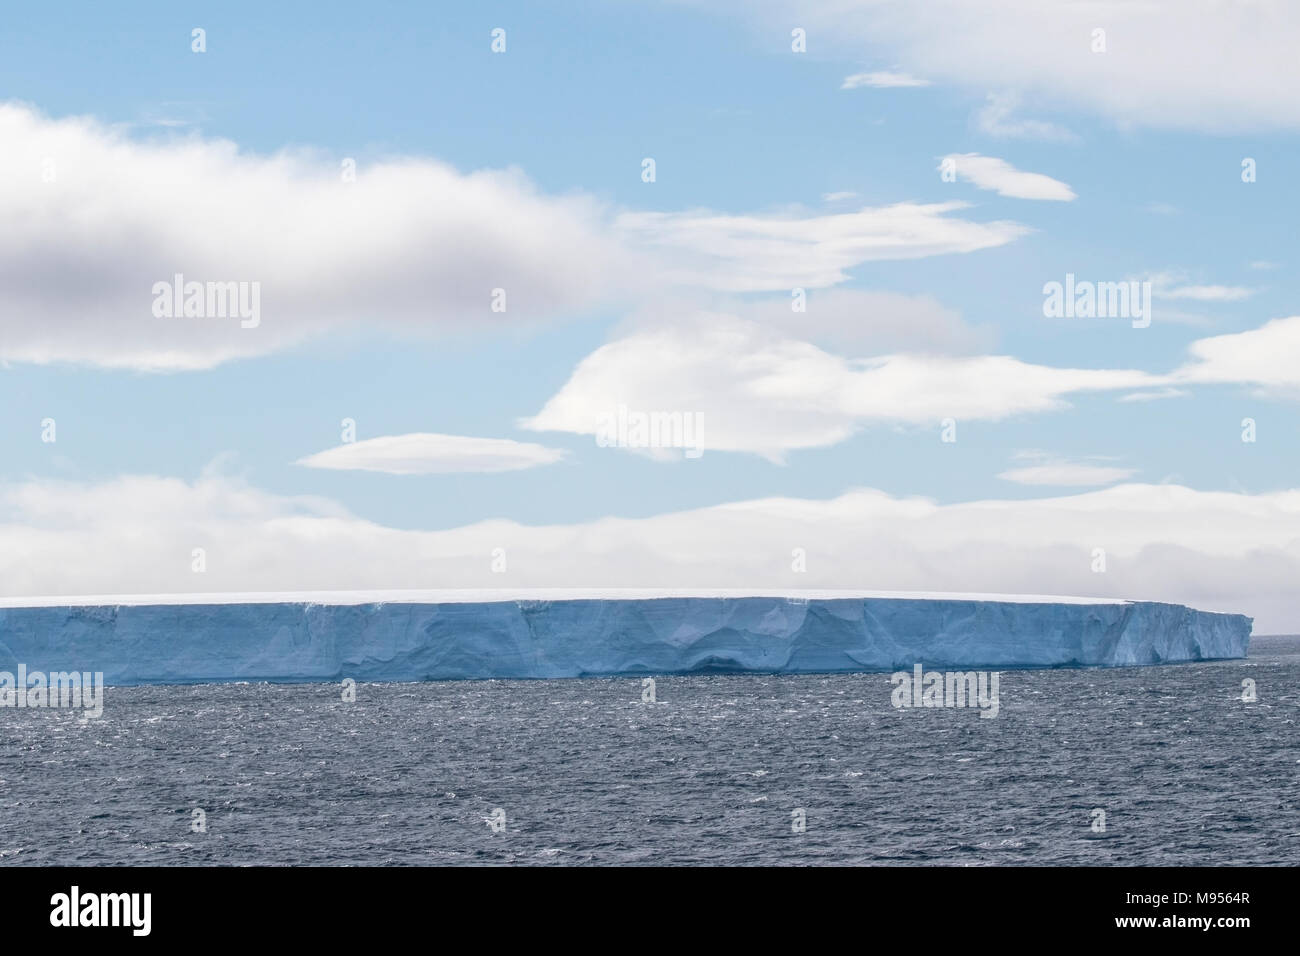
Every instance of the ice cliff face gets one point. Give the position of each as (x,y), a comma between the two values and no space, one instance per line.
(190,643)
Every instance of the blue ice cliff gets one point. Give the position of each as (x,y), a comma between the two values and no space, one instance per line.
(410,640)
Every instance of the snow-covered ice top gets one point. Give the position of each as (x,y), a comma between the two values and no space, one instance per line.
(490,595)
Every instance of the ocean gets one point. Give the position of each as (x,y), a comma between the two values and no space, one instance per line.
(1147,766)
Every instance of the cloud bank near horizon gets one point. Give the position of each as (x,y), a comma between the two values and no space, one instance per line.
(137,534)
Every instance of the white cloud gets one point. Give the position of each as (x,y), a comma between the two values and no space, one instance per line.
(1162,209)
(423,453)
(1208,293)
(1183,64)
(998,118)
(881,80)
(1264,357)
(869,322)
(410,247)
(1154,395)
(1062,473)
(763,393)
(1167,316)
(989,172)
(1212,550)
(735,253)
(1174,285)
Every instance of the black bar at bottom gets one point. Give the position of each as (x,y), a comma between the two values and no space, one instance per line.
(932,905)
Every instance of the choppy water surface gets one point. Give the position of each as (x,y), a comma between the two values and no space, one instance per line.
(714,771)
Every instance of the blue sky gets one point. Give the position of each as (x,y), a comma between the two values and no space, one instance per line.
(739,125)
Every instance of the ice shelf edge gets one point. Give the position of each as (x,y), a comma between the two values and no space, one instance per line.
(295,641)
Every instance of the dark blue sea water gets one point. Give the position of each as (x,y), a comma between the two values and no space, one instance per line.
(585,772)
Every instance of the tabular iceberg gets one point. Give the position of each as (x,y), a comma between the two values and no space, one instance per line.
(411,636)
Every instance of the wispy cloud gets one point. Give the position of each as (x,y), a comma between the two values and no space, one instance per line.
(870,321)
(423,453)
(1061,472)
(882,80)
(734,253)
(999,118)
(1209,293)
(1174,285)
(989,172)
(1146,68)
(1155,395)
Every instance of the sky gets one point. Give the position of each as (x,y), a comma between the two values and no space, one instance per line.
(822,233)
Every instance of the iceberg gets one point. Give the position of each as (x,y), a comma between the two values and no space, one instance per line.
(376,636)
(448,635)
